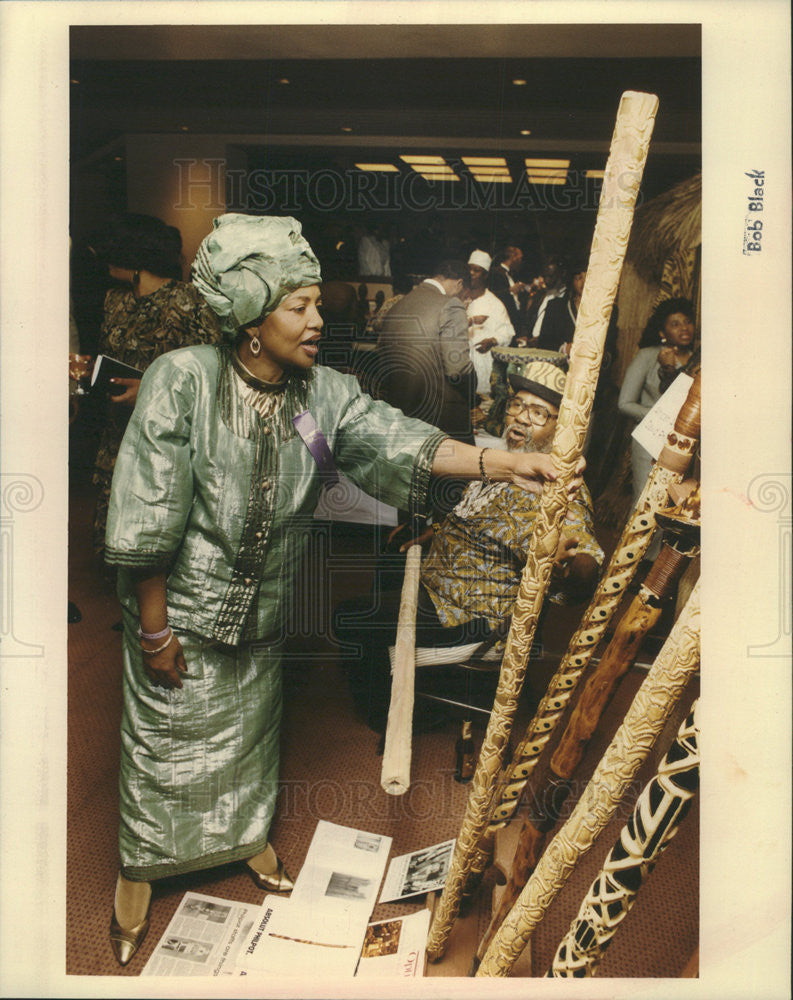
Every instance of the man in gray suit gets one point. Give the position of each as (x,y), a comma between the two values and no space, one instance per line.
(424,356)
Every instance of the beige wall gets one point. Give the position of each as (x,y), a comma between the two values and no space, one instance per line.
(180,179)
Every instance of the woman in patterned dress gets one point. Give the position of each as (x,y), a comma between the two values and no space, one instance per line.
(150,312)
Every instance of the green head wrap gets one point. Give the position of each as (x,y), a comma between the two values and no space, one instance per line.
(249,263)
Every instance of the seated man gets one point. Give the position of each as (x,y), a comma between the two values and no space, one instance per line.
(471,574)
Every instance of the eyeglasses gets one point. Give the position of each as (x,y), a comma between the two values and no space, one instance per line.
(538,415)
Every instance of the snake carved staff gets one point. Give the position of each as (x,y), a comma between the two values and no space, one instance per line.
(668,470)
(644,721)
(681,531)
(655,820)
(629,146)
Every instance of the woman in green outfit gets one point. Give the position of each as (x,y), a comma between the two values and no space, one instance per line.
(226,451)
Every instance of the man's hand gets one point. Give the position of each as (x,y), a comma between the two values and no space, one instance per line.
(486,344)
(565,553)
(130,394)
(164,669)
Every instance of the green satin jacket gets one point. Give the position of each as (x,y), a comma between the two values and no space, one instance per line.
(220,499)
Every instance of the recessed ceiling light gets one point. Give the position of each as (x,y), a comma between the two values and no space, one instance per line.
(546,163)
(484,161)
(495,178)
(450,176)
(594,174)
(284,80)
(74,81)
(383,167)
(346,128)
(424,159)
(118,159)
(519,82)
(428,168)
(525,131)
(184,128)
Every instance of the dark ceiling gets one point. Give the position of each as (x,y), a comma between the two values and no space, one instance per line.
(368,86)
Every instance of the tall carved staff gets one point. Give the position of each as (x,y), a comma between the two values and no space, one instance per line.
(629,145)
(681,529)
(655,820)
(663,687)
(636,536)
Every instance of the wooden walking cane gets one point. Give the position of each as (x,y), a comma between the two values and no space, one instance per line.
(629,146)
(650,710)
(681,545)
(655,820)
(395,773)
(672,463)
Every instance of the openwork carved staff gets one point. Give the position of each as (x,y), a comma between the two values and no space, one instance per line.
(655,700)
(670,468)
(681,532)
(655,820)
(395,773)
(629,146)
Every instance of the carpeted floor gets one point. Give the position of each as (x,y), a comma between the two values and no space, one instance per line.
(331,770)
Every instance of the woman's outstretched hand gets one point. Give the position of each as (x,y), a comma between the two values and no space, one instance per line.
(533,468)
(165,669)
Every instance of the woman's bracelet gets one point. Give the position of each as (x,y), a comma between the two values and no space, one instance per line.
(153,636)
(485,478)
(159,649)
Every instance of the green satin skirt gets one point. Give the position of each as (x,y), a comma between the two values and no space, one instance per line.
(199,766)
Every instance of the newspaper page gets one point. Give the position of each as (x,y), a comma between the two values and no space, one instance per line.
(291,939)
(651,431)
(344,867)
(203,938)
(395,948)
(421,871)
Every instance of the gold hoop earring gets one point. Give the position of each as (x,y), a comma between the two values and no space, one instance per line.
(256,346)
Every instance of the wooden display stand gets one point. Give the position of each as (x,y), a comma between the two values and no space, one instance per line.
(471,925)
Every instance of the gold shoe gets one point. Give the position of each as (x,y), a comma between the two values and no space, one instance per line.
(125,943)
(275,881)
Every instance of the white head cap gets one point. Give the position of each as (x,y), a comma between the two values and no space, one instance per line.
(481,259)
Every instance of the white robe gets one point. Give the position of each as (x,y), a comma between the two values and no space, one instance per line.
(495,324)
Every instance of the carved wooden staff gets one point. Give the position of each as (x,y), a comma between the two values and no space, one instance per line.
(395,773)
(680,546)
(655,820)
(655,700)
(629,145)
(637,534)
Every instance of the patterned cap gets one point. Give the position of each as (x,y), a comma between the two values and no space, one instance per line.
(541,378)
(249,263)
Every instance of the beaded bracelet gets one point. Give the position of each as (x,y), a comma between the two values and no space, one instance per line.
(485,478)
(159,649)
(152,636)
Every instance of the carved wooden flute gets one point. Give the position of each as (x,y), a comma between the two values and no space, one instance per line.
(650,710)
(643,613)
(637,534)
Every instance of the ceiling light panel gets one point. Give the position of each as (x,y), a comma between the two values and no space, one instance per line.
(484,161)
(429,160)
(382,167)
(546,163)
